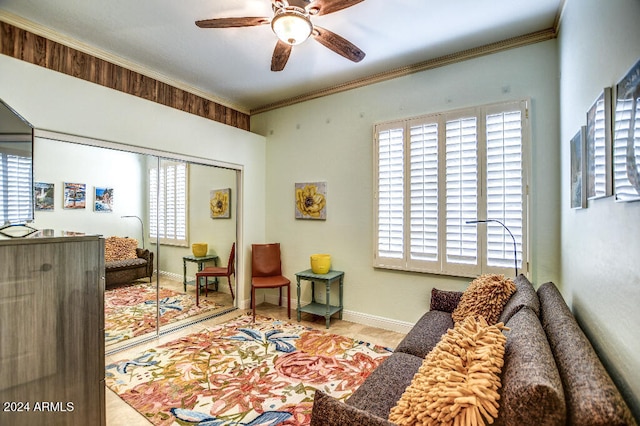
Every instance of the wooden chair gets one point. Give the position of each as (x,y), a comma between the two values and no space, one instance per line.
(217,271)
(266,272)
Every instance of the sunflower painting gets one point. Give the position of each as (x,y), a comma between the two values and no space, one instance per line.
(311,200)
(219,203)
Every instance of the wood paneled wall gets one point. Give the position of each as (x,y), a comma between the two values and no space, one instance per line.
(38,50)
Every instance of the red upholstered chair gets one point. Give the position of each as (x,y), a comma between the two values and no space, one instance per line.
(266,272)
(217,271)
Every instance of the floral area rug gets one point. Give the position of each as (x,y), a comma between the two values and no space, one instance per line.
(130,310)
(243,373)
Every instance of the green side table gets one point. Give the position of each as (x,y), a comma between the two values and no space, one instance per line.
(200,261)
(322,309)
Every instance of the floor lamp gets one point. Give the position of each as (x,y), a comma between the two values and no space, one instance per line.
(515,250)
(141,224)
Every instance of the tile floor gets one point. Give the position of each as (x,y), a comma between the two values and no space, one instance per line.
(119,413)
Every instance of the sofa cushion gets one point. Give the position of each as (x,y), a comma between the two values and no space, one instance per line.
(525,295)
(118,248)
(486,297)
(426,333)
(328,411)
(117,265)
(458,381)
(444,300)
(385,385)
(531,387)
(591,396)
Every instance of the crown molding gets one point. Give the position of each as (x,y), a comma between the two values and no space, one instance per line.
(559,15)
(57,37)
(441,61)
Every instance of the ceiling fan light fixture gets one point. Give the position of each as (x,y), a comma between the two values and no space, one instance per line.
(291,25)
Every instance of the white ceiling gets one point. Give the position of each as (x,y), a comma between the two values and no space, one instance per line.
(232,65)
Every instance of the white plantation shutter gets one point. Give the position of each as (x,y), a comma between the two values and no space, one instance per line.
(599,184)
(162,204)
(504,188)
(168,189)
(624,190)
(390,184)
(461,184)
(180,220)
(170,206)
(15,187)
(153,202)
(424,192)
(435,173)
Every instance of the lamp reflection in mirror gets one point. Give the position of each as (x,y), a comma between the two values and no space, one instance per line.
(515,247)
(141,224)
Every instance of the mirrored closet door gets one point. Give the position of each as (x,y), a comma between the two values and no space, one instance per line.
(150,209)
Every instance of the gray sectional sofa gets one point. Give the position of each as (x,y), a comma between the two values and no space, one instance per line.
(551,374)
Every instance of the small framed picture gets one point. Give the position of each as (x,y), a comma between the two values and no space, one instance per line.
(75,195)
(311,200)
(44,196)
(599,182)
(103,200)
(220,203)
(578,195)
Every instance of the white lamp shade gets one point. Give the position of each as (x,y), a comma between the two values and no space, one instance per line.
(291,26)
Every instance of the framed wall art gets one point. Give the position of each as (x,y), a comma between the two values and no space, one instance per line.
(626,137)
(598,150)
(220,203)
(103,200)
(578,196)
(311,200)
(44,196)
(75,196)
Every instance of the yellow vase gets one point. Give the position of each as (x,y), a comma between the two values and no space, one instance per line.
(199,249)
(320,263)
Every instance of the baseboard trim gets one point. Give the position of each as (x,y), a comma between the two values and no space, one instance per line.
(351,316)
(175,277)
(377,321)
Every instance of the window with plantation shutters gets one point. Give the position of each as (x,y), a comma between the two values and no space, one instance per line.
(15,187)
(168,189)
(434,174)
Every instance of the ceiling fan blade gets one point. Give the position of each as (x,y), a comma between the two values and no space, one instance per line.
(280,56)
(338,44)
(232,22)
(324,7)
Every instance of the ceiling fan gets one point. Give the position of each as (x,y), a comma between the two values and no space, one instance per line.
(291,22)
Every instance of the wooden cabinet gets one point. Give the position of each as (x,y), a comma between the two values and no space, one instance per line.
(52,331)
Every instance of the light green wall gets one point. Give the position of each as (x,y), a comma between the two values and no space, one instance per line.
(60,103)
(330,139)
(598,43)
